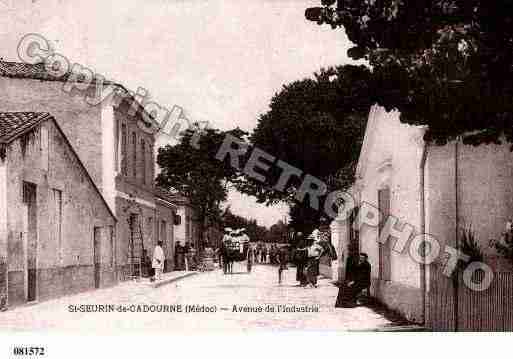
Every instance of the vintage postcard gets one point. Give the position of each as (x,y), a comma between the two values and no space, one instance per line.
(225,166)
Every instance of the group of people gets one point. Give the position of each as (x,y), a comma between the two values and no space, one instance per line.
(185,256)
(185,259)
(266,255)
(307,255)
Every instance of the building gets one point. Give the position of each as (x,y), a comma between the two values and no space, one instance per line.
(166,217)
(424,188)
(186,225)
(57,232)
(115,140)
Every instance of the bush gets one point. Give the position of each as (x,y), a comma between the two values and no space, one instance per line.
(504,246)
(470,247)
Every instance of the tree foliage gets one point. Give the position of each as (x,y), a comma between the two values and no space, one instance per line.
(304,219)
(316,125)
(278,233)
(194,172)
(447,64)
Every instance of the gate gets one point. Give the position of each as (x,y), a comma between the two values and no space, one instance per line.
(440,304)
(487,310)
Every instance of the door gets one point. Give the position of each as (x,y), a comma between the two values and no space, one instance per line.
(97,256)
(384,249)
(30,240)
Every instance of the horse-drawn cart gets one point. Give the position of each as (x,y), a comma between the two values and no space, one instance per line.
(236,248)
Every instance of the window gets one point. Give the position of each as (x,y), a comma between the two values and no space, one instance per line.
(143,159)
(150,164)
(163,234)
(44,148)
(57,220)
(134,162)
(149,229)
(124,167)
(112,237)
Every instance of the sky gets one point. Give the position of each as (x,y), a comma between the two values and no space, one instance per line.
(219,60)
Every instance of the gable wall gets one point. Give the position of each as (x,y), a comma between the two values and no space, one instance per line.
(67,268)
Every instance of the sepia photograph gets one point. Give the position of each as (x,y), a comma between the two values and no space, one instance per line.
(185,167)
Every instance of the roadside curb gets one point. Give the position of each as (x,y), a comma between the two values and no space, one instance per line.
(402,328)
(171,280)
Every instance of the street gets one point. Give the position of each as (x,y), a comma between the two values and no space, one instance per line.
(259,289)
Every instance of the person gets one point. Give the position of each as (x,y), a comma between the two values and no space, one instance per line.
(300,258)
(158,261)
(274,254)
(227,239)
(358,278)
(179,256)
(192,257)
(282,259)
(263,254)
(315,252)
(362,277)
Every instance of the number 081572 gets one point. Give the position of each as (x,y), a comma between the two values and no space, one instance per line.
(26,351)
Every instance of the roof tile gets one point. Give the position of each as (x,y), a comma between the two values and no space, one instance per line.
(13,124)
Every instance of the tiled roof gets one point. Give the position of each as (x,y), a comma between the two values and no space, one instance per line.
(22,70)
(35,71)
(14,124)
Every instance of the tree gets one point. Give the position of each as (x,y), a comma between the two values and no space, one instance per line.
(278,233)
(304,219)
(447,64)
(316,125)
(194,172)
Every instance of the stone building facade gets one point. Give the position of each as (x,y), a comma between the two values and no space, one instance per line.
(115,140)
(437,190)
(57,233)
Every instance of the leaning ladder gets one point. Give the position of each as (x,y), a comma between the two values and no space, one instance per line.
(136,258)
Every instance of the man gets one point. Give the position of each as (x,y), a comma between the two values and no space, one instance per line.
(158,261)
(179,256)
(361,278)
(227,238)
(300,259)
(281,259)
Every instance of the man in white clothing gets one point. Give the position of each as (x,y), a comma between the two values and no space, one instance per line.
(158,260)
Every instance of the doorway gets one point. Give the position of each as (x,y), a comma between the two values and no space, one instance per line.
(30,240)
(385,267)
(97,256)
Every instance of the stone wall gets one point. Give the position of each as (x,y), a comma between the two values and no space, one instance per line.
(401,298)
(391,160)
(80,122)
(61,263)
